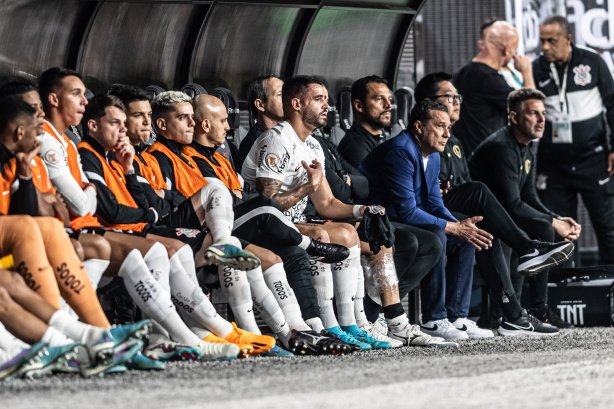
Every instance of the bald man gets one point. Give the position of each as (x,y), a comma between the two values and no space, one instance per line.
(484,89)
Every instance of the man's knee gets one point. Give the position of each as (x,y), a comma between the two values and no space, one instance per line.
(50,225)
(6,302)
(12,282)
(95,247)
(343,234)
(267,257)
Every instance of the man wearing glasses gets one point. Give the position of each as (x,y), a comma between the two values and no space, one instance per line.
(465,197)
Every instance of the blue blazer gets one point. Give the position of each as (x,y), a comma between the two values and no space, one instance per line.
(398,181)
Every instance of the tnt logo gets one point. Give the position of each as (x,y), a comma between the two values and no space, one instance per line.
(572,313)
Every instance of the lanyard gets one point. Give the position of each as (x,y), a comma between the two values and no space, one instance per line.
(561,86)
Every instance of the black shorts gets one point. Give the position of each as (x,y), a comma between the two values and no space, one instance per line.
(100,231)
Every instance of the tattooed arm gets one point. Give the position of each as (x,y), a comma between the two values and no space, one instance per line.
(271,187)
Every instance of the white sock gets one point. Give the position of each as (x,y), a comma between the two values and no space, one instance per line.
(157,262)
(192,303)
(235,287)
(185,255)
(216,202)
(54,338)
(76,330)
(151,298)
(95,267)
(315,323)
(322,279)
(265,304)
(276,280)
(344,278)
(305,242)
(359,307)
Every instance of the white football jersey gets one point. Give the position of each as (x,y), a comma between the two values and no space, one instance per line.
(277,154)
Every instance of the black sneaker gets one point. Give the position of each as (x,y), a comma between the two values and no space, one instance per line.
(526,324)
(548,316)
(327,252)
(312,343)
(543,255)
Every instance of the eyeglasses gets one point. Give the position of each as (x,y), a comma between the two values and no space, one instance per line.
(451,98)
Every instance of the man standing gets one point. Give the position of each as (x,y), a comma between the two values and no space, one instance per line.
(484,89)
(573,156)
(504,162)
(403,175)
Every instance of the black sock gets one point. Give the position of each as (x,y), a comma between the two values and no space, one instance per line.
(393,311)
(510,306)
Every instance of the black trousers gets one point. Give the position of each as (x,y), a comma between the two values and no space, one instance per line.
(476,199)
(416,251)
(560,184)
(261,222)
(538,284)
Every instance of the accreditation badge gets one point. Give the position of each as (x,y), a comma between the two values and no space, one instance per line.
(561,128)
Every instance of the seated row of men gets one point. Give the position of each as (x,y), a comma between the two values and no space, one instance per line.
(153,214)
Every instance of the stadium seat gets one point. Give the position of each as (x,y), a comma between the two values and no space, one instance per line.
(193,89)
(405,101)
(332,130)
(344,108)
(230,150)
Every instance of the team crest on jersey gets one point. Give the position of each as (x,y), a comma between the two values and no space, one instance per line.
(582,75)
(189,233)
(456,150)
(527,166)
(52,157)
(272,160)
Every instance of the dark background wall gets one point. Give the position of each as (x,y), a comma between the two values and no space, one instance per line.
(214,43)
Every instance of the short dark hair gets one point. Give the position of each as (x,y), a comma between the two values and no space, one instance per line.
(257,90)
(294,87)
(12,107)
(51,80)
(560,20)
(360,87)
(517,97)
(422,111)
(95,109)
(17,87)
(128,93)
(427,87)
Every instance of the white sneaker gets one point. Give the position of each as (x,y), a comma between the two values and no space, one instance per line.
(218,352)
(472,329)
(378,330)
(443,329)
(400,329)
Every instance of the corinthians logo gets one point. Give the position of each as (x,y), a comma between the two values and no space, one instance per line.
(456,150)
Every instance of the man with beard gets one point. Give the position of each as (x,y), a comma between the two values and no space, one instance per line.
(504,162)
(371,105)
(264,101)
